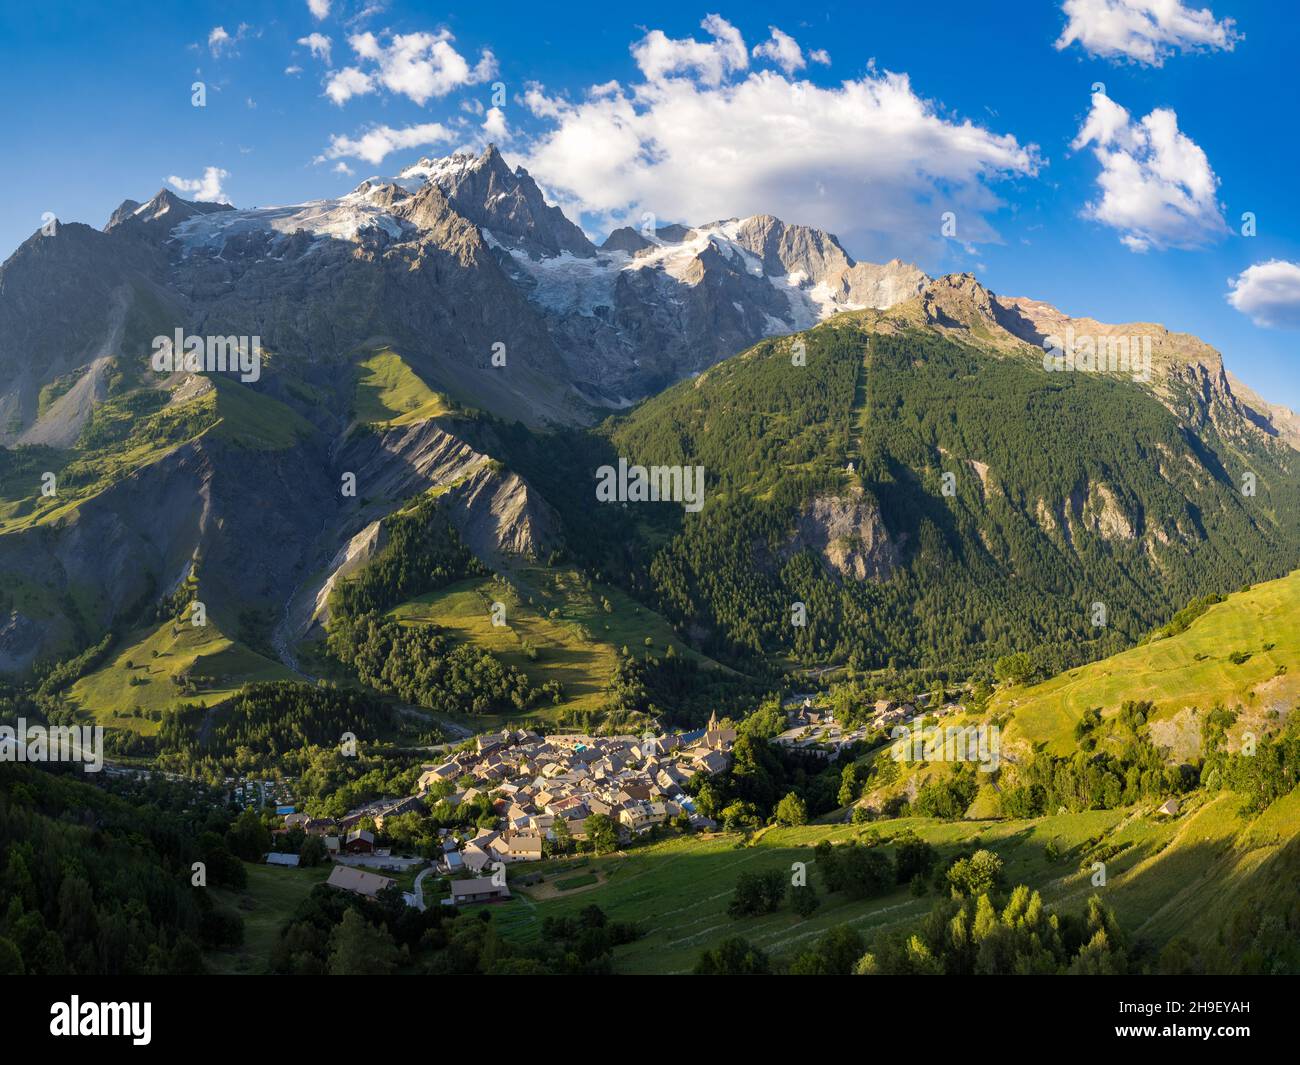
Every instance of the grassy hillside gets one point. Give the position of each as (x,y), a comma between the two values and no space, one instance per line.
(268,901)
(388,392)
(254,420)
(1194,668)
(152,658)
(1214,858)
(133,430)
(126,433)
(1165,878)
(571,637)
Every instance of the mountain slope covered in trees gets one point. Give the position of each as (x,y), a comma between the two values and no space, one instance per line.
(936,500)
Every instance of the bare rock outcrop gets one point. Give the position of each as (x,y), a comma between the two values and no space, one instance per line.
(848,533)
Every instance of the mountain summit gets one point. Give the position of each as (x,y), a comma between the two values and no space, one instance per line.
(507,202)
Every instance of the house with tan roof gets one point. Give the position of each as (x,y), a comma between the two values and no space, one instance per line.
(358,881)
(517,847)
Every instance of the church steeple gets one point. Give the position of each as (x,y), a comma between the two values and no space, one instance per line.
(713,722)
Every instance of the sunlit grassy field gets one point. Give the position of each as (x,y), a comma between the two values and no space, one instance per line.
(1163,876)
(255,420)
(575,638)
(1193,668)
(156,656)
(388,392)
(678,890)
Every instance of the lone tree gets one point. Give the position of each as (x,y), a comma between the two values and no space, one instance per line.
(792,810)
(601,834)
(1016,668)
(804,900)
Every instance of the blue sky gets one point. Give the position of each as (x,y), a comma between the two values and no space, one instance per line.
(912,110)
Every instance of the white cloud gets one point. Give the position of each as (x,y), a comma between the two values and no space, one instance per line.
(1156,184)
(377,143)
(1144,31)
(342,168)
(783,50)
(293,69)
(319,9)
(1269,293)
(543,106)
(418,66)
(661,57)
(494,126)
(367,12)
(206,189)
(320,45)
(869,160)
(820,56)
(218,40)
(221,42)
(347,83)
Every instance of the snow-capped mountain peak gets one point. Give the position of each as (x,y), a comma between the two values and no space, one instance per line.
(646,308)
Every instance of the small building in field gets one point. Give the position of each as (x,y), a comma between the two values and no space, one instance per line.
(275,858)
(358,881)
(481,889)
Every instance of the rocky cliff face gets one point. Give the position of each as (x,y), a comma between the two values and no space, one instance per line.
(815,261)
(261,529)
(1272,418)
(242,518)
(352,557)
(68,297)
(849,535)
(498,514)
(500,517)
(650,308)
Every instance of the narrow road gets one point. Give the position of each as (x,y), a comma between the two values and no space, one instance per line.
(419,886)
